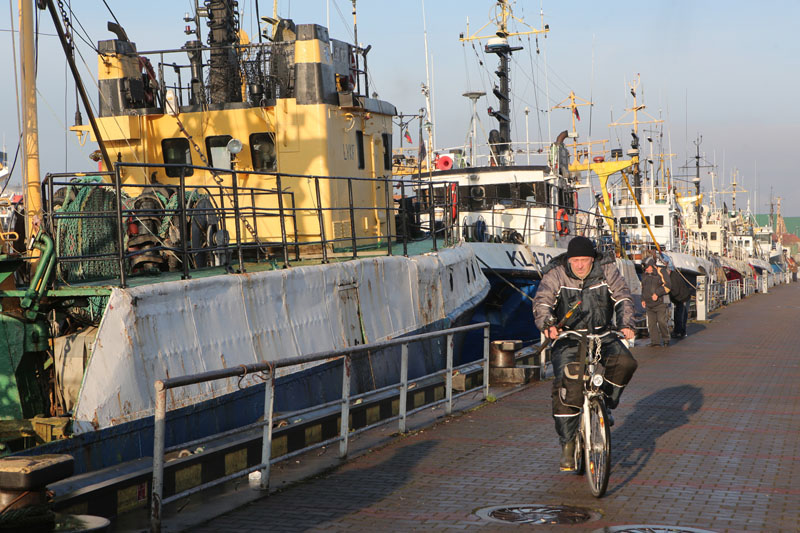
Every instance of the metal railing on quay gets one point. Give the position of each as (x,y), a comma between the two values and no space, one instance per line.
(346,354)
(182,226)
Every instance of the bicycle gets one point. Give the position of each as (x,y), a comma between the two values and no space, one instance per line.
(593,438)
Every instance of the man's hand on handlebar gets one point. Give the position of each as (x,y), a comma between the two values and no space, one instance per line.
(628,333)
(551,332)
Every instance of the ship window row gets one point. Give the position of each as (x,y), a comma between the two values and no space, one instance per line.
(536,194)
(177,151)
(658,221)
(705,236)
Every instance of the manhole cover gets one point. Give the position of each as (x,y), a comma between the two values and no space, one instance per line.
(651,529)
(538,514)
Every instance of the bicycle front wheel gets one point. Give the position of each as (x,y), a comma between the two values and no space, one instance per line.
(598,448)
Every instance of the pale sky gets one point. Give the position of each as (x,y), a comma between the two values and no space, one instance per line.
(727,70)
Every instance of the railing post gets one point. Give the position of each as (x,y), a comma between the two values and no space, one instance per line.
(182,218)
(237,218)
(345,425)
(448,384)
(404,216)
(283,222)
(294,224)
(352,218)
(321,222)
(388,186)
(120,226)
(266,439)
(159,431)
(432,215)
(403,386)
(486,362)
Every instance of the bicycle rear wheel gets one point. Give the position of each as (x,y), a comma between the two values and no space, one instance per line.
(598,448)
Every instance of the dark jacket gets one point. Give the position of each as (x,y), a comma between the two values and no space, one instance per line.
(603,292)
(656,283)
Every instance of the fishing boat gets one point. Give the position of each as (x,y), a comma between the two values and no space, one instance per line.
(518,201)
(241,212)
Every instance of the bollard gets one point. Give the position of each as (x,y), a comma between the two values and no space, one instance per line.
(764,284)
(702,299)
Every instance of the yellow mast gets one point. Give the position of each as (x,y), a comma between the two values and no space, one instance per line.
(635,109)
(30,128)
(574,103)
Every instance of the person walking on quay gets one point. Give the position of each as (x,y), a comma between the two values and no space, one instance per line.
(582,275)
(655,285)
(681,291)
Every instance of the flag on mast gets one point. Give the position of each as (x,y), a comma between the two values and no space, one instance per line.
(408,137)
(577,115)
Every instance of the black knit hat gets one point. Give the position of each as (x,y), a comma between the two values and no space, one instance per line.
(580,247)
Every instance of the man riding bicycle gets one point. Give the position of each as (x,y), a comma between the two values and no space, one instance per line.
(582,274)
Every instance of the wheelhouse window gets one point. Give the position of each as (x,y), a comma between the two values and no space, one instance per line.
(177,152)
(262,152)
(659,220)
(628,221)
(713,235)
(217,150)
(387,151)
(502,194)
(360,148)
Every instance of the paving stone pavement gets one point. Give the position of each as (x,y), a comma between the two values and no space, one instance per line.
(707,436)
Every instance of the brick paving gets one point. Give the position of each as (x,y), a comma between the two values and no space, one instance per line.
(706,436)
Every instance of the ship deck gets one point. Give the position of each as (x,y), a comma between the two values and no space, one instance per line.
(705,438)
(101,287)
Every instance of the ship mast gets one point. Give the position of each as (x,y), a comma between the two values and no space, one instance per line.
(498,44)
(30,125)
(634,151)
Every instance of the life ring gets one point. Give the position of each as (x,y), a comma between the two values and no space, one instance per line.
(454,201)
(562,222)
(683,237)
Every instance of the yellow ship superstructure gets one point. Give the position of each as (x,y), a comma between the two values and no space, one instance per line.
(294,105)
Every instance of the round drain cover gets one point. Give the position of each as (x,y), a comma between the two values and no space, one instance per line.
(538,514)
(651,529)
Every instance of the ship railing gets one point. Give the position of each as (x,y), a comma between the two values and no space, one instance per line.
(236,222)
(493,222)
(261,84)
(269,421)
(518,154)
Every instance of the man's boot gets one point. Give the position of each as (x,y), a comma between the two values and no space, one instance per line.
(567,463)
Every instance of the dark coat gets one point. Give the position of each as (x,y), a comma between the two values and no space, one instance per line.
(656,283)
(603,293)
